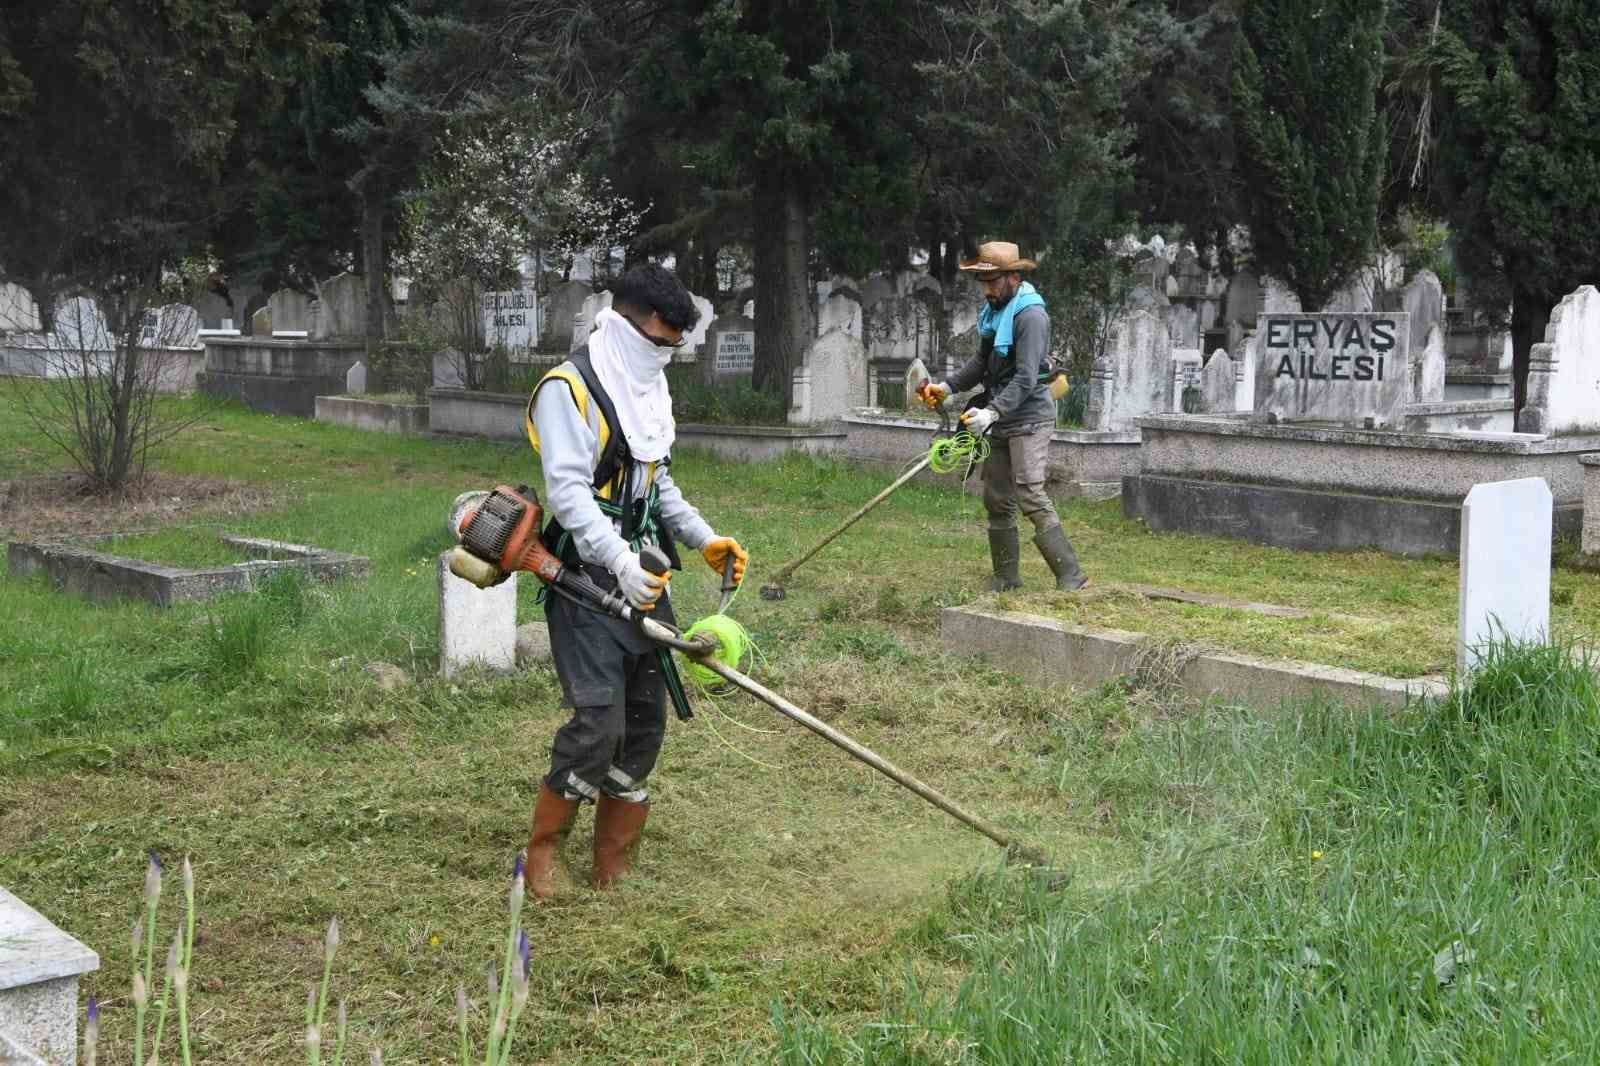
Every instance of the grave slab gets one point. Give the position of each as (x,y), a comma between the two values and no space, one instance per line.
(1505,567)
(39,970)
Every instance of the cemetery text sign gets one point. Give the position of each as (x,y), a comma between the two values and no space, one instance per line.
(736,351)
(1334,366)
(511,320)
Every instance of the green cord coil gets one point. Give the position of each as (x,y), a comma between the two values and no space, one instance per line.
(949,454)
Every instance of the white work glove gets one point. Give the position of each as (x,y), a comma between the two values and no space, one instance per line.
(978,421)
(638,585)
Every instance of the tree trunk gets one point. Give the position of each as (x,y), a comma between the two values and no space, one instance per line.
(372,207)
(784,316)
(1530,314)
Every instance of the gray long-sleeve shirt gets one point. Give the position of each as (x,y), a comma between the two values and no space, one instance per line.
(1022,402)
(569,451)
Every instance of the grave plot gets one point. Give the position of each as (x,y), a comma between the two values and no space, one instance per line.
(162,570)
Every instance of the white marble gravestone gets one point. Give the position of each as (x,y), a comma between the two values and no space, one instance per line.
(355,379)
(1342,367)
(477,627)
(832,381)
(1564,369)
(39,970)
(1505,566)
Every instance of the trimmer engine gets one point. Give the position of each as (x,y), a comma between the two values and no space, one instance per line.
(503,535)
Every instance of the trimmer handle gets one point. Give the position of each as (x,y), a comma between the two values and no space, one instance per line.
(654,560)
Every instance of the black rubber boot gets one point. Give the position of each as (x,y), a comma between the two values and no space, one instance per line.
(1006,553)
(1057,551)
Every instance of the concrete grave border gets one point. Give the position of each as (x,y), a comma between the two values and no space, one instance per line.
(1048,652)
(101,576)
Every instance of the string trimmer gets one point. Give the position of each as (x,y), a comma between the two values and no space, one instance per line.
(501,537)
(949,449)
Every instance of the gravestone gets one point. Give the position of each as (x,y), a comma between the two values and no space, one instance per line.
(355,379)
(1186,371)
(1563,392)
(561,304)
(289,311)
(841,309)
(1505,567)
(730,348)
(1423,300)
(583,325)
(1341,367)
(18,311)
(1428,367)
(261,323)
(39,970)
(80,327)
(341,310)
(171,326)
(1219,384)
(1244,397)
(477,627)
(449,370)
(694,339)
(1133,378)
(511,321)
(831,381)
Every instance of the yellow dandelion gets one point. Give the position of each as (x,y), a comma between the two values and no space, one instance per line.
(1315,855)
(433,941)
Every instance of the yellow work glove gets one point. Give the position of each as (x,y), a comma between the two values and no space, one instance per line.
(933,393)
(716,554)
(1059,386)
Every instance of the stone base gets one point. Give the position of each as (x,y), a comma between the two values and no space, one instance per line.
(1307,519)
(372,415)
(279,376)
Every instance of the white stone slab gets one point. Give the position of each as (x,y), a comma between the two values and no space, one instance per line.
(477,627)
(39,970)
(1564,370)
(1505,567)
(1338,366)
(291,334)
(355,379)
(832,381)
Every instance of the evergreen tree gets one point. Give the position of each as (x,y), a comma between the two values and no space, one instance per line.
(1519,152)
(1310,143)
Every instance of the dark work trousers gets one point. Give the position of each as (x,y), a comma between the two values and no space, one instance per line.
(611,677)
(1014,477)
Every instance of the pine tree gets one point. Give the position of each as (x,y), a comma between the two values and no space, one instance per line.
(1311,146)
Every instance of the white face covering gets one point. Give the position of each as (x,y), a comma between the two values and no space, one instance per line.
(631,370)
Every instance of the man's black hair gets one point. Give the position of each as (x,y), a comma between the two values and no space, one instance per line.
(649,287)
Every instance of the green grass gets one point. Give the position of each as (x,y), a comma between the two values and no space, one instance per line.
(774,871)
(1317,888)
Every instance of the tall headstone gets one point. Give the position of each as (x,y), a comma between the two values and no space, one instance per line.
(1244,371)
(563,302)
(290,311)
(1186,371)
(18,311)
(1428,366)
(171,326)
(355,379)
(832,381)
(841,309)
(1334,367)
(341,308)
(1219,384)
(1563,394)
(261,323)
(694,340)
(1134,376)
(477,627)
(1505,567)
(583,325)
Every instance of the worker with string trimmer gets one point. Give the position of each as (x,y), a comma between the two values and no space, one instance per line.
(603,427)
(1018,410)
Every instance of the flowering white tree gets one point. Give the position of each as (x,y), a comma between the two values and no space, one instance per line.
(494,194)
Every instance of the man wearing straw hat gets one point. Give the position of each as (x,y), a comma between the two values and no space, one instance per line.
(1018,411)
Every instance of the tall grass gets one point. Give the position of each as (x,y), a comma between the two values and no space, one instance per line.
(1383,888)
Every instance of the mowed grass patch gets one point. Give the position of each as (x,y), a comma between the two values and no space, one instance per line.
(1319,886)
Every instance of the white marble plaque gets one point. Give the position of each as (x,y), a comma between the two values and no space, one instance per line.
(1505,567)
(736,351)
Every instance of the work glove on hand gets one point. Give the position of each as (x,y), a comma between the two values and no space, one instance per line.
(641,588)
(716,554)
(933,393)
(979,419)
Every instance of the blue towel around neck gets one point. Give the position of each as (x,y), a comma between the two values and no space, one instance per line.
(997,324)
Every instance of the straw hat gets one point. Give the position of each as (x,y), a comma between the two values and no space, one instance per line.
(997,257)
